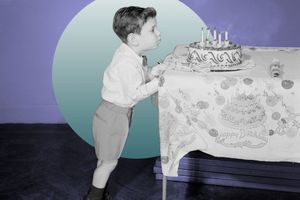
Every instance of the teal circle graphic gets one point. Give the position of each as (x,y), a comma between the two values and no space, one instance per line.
(86,48)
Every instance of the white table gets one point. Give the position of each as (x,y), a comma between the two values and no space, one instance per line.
(243,114)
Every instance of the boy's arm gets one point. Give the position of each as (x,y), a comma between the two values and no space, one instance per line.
(132,83)
(147,71)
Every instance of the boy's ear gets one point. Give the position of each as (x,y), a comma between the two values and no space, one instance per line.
(132,39)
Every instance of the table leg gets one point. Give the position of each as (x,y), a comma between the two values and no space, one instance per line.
(164,188)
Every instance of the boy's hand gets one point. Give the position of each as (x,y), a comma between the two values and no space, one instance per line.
(158,70)
(181,50)
(161,81)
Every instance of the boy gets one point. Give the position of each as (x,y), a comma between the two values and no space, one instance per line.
(125,82)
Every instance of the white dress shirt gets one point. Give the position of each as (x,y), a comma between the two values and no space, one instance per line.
(126,81)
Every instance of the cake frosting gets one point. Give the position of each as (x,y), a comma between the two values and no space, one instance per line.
(219,57)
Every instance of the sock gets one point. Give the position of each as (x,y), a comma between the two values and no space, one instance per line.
(102,173)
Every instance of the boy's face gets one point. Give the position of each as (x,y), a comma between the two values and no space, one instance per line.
(150,36)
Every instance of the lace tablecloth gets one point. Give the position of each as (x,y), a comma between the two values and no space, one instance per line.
(243,114)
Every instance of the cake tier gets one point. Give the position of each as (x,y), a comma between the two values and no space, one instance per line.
(218,57)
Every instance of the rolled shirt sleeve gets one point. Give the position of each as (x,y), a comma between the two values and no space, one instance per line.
(125,83)
(134,83)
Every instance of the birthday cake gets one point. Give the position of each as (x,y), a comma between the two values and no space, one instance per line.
(244,111)
(218,54)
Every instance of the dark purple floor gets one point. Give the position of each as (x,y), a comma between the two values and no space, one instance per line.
(46,162)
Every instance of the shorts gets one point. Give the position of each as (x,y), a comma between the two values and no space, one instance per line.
(110,130)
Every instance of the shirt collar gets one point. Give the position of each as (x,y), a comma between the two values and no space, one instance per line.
(132,53)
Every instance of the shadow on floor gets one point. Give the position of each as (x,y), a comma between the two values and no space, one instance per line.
(51,162)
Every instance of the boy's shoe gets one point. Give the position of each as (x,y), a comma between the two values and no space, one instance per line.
(107,196)
(95,194)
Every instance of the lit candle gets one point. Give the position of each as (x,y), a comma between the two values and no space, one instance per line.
(226,36)
(215,34)
(220,37)
(202,35)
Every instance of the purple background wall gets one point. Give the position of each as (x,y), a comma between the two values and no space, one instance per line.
(30,30)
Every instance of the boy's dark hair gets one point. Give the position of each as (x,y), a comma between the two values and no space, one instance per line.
(130,20)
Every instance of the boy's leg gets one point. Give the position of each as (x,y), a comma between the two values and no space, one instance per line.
(102,172)
(108,144)
(100,177)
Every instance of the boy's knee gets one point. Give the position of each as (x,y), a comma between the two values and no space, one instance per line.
(110,164)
